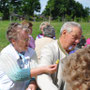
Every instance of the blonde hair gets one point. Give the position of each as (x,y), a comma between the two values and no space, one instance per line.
(27,23)
(43,24)
(76,70)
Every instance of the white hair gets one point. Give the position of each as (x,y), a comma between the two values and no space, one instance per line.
(68,26)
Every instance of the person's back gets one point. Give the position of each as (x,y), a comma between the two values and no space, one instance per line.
(40,43)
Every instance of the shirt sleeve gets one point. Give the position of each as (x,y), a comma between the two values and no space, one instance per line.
(13,71)
(45,81)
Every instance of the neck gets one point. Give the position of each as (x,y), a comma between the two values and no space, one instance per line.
(62,42)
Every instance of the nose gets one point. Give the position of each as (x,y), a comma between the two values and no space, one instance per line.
(77,41)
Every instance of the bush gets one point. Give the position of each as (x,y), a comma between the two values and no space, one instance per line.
(1,15)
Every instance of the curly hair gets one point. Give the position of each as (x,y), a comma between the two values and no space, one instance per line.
(76,70)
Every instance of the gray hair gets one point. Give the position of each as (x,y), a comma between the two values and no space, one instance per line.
(49,31)
(68,26)
(13,31)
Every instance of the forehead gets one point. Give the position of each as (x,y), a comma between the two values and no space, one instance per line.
(23,34)
(76,30)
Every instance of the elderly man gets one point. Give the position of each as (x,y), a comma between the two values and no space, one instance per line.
(18,61)
(70,35)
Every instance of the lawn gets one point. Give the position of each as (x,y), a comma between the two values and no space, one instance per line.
(36,31)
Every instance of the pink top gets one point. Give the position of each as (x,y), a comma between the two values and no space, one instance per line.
(87,42)
(32,42)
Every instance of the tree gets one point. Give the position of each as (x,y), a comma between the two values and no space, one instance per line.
(62,8)
(23,7)
(29,6)
(4,8)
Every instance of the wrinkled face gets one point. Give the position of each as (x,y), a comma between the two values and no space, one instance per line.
(22,42)
(73,37)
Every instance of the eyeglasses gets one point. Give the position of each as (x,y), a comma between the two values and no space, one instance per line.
(26,40)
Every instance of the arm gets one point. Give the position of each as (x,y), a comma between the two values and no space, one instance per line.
(10,66)
(44,81)
(44,69)
(39,70)
(14,72)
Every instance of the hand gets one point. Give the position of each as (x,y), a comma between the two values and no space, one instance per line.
(51,68)
(32,86)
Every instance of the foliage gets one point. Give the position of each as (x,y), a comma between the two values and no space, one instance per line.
(29,6)
(62,8)
(4,8)
(1,14)
(20,7)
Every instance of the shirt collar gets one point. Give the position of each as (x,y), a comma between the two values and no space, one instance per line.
(64,51)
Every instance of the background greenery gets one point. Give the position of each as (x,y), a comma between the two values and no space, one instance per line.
(36,31)
(55,9)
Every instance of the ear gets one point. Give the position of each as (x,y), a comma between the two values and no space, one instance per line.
(64,32)
(13,41)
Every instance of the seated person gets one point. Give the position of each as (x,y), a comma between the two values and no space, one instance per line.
(18,61)
(76,70)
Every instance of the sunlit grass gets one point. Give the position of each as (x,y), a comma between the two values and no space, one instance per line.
(57,25)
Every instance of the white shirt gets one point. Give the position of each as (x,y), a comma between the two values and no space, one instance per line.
(10,56)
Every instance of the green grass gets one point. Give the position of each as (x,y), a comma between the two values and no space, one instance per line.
(36,31)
